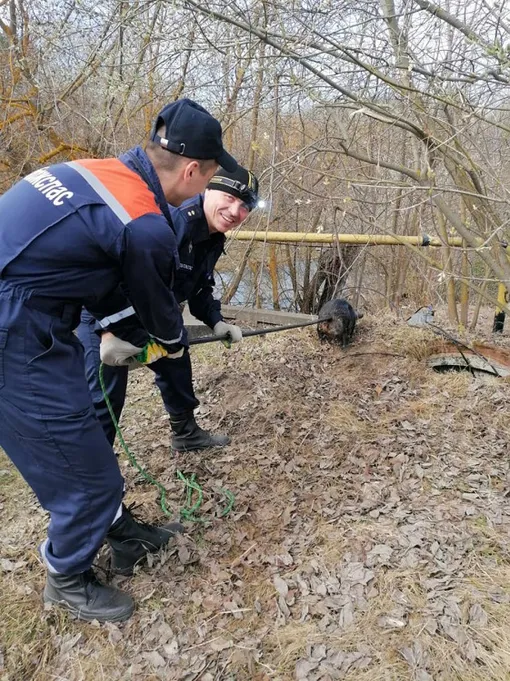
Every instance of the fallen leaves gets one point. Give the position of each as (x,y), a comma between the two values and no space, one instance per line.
(11,566)
(369,539)
(324,664)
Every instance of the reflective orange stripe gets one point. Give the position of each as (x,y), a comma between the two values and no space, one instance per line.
(126,187)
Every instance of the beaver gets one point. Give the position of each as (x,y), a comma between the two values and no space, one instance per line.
(339,321)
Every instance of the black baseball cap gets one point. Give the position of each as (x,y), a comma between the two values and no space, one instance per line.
(241,183)
(191,131)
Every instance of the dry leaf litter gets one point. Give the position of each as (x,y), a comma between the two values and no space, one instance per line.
(369,538)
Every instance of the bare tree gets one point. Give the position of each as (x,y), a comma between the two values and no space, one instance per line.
(388,117)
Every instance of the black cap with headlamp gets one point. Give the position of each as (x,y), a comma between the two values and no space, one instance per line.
(240,183)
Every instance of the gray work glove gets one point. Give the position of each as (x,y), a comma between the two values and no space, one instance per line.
(117,353)
(235,333)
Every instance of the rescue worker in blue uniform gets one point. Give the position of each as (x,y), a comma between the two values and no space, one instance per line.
(70,234)
(200,225)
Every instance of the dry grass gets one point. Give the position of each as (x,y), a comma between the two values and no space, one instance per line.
(335,455)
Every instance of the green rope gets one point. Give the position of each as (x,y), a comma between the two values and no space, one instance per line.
(230,502)
(191,485)
(145,474)
(188,512)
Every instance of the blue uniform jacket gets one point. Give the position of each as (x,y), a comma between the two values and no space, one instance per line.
(72,232)
(194,279)
(199,252)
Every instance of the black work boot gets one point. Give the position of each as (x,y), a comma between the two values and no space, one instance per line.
(131,540)
(87,598)
(187,434)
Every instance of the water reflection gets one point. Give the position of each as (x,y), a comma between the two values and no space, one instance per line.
(252,282)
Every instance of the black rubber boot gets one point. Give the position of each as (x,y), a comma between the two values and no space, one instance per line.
(131,540)
(87,598)
(188,436)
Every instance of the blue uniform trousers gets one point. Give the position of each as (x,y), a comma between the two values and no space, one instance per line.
(115,378)
(172,376)
(49,429)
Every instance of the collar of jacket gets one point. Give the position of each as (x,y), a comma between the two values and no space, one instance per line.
(137,160)
(200,233)
(199,227)
(194,215)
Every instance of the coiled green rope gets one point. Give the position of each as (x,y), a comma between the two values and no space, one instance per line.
(191,508)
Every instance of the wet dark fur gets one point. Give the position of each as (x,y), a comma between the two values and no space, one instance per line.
(340,328)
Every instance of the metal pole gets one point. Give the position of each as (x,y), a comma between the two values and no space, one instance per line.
(255,332)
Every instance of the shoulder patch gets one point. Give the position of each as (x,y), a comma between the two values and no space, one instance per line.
(191,212)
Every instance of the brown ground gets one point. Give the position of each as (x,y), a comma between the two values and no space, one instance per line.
(369,539)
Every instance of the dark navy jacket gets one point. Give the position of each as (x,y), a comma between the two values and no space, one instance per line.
(72,232)
(194,279)
(199,252)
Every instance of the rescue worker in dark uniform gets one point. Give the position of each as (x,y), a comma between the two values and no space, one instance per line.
(70,234)
(200,225)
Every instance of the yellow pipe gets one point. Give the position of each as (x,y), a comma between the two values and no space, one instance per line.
(502,296)
(324,238)
(499,316)
(299,238)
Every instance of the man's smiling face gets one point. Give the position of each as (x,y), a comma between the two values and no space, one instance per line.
(223,211)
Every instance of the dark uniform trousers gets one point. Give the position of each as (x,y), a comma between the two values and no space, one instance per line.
(50,429)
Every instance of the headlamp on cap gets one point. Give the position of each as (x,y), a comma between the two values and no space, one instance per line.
(241,183)
(237,188)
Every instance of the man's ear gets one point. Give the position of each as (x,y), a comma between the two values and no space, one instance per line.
(191,169)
